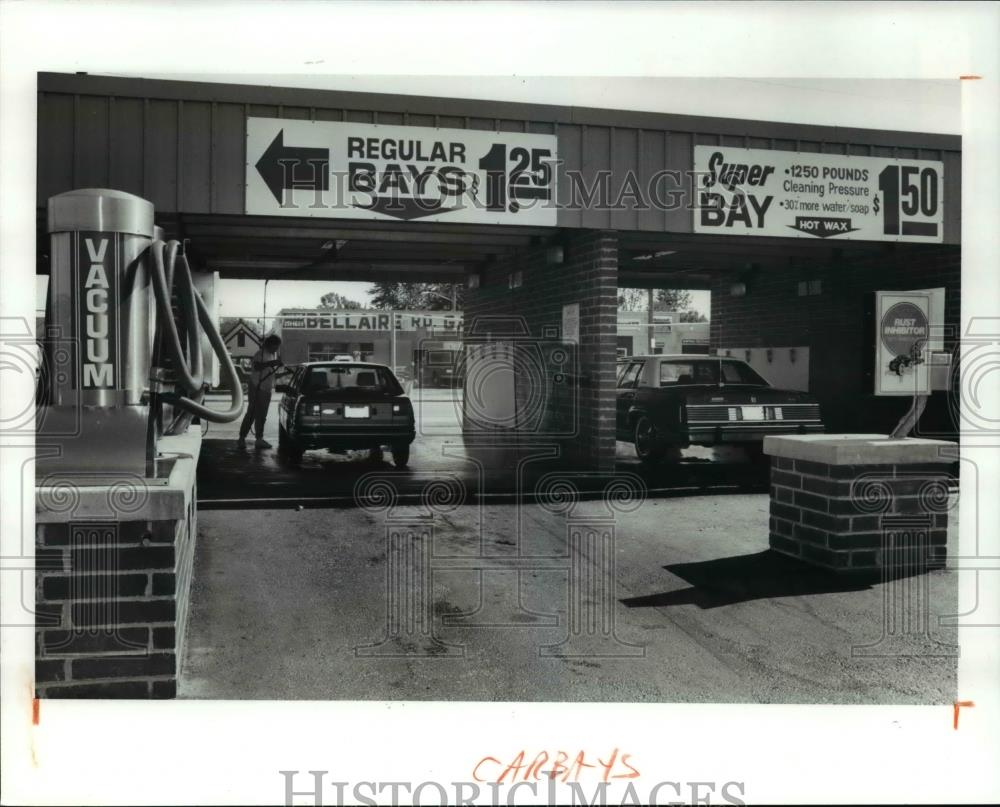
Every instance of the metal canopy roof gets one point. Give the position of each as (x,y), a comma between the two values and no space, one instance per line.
(181,145)
(307,249)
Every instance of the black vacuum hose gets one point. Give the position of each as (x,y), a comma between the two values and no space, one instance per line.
(194,312)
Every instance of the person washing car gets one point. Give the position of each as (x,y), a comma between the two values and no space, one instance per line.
(265,364)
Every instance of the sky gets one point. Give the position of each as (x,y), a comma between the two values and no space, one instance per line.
(914,105)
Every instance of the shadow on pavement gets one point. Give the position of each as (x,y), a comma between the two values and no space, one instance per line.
(741,578)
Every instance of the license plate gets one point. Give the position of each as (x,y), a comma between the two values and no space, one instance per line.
(356,412)
(753,412)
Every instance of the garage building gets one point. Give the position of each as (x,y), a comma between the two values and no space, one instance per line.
(630,199)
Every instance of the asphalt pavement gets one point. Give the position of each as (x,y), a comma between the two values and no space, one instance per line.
(346,578)
(310,603)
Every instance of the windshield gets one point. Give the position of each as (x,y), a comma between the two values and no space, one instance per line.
(350,378)
(706,371)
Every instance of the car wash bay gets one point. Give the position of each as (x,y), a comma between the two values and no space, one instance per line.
(622,188)
(184,146)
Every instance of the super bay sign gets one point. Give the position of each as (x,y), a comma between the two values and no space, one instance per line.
(370,171)
(802,195)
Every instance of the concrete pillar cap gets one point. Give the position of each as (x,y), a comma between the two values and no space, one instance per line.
(861,449)
(100,210)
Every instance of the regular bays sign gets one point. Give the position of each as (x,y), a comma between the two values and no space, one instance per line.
(795,194)
(369,171)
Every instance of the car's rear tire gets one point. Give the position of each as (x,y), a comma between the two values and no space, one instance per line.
(401,454)
(648,447)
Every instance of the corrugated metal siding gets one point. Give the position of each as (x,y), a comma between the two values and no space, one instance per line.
(652,157)
(127,168)
(161,178)
(228,163)
(680,157)
(952,196)
(188,154)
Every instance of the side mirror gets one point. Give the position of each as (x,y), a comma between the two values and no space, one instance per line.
(282,388)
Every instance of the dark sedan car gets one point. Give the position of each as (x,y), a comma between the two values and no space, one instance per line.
(344,405)
(674,401)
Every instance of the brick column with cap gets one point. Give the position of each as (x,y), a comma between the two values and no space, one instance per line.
(860,502)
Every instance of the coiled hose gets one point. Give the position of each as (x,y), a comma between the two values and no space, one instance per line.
(170,272)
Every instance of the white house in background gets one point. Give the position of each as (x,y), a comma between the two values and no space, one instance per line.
(242,342)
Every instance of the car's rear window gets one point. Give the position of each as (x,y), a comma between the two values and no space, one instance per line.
(737,372)
(440,357)
(350,378)
(688,372)
(706,371)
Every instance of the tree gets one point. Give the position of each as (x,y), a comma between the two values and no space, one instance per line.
(416,296)
(692,316)
(631,299)
(334,300)
(663,300)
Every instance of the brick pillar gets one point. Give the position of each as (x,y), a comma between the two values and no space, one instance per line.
(107,608)
(112,581)
(579,403)
(594,262)
(868,506)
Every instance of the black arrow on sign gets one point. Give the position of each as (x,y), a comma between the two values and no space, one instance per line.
(284,167)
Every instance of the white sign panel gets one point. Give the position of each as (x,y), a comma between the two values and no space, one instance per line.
(571,323)
(392,173)
(902,335)
(803,195)
(361,320)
